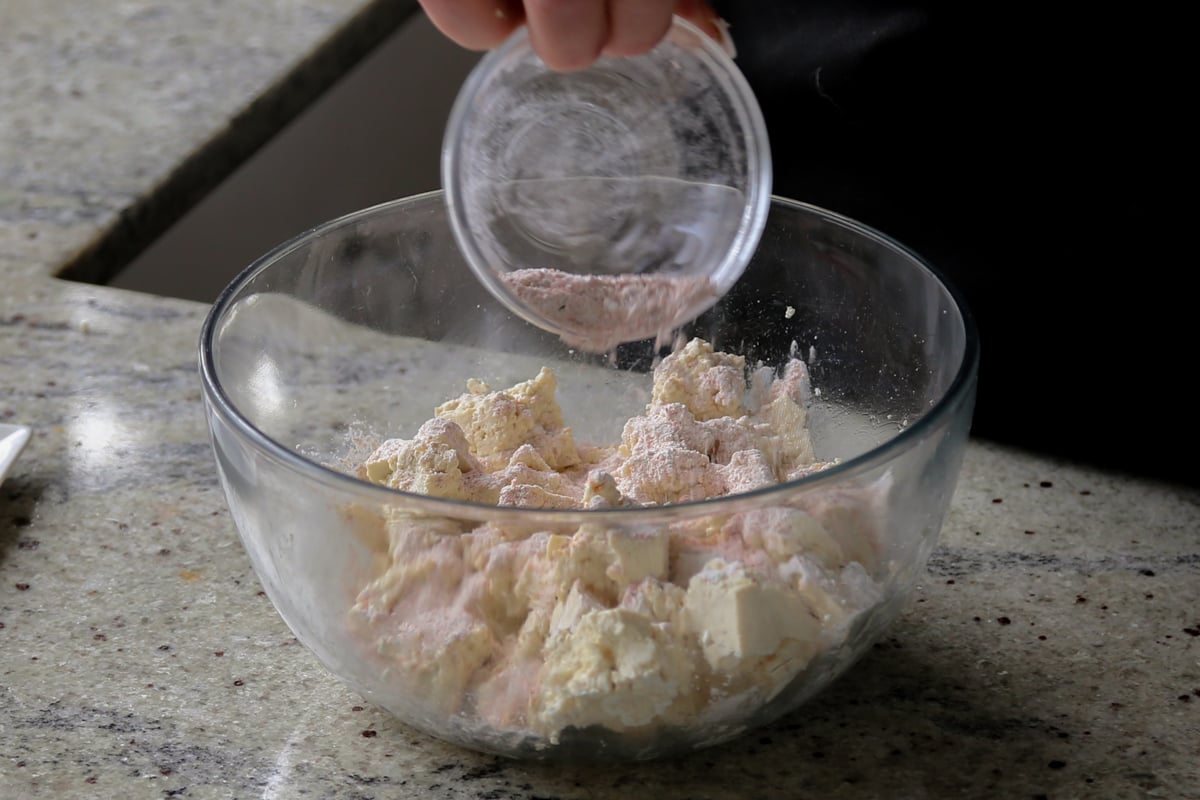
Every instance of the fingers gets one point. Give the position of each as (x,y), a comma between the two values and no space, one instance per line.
(475,24)
(567,34)
(636,26)
(570,34)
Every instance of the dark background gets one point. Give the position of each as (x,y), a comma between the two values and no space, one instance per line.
(1035,159)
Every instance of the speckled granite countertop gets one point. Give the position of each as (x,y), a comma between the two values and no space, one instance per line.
(1052,652)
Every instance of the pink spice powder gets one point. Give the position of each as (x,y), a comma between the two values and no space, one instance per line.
(598,312)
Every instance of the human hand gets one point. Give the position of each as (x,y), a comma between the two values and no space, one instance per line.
(570,34)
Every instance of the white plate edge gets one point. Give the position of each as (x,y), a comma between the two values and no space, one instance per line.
(13,439)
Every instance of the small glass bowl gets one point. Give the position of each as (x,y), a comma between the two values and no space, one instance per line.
(653,165)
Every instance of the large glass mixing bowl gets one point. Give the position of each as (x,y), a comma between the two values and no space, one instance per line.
(356,330)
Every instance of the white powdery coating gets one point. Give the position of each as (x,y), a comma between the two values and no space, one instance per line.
(627,628)
(598,312)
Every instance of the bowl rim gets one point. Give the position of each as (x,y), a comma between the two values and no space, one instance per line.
(219,402)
